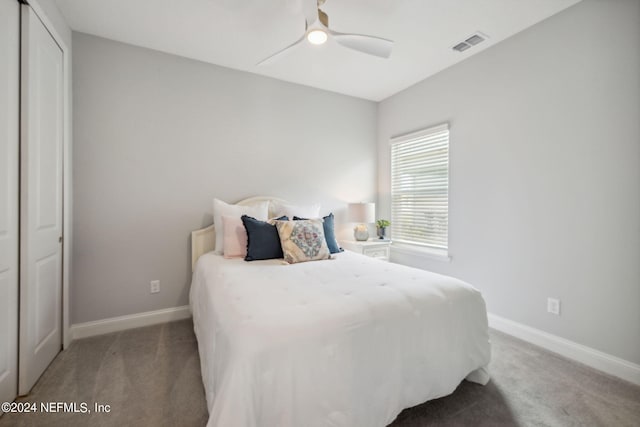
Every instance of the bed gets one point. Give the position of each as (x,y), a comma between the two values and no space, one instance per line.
(349,341)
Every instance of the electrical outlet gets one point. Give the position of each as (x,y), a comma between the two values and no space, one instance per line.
(553,306)
(154,286)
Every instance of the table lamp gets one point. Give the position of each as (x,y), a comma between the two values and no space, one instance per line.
(362,213)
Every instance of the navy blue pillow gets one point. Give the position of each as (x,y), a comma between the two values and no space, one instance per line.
(329,233)
(263,241)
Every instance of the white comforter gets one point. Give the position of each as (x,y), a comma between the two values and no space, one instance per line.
(345,342)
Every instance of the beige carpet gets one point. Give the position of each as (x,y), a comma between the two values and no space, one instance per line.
(151,377)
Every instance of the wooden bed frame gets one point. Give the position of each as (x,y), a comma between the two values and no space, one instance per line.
(204,239)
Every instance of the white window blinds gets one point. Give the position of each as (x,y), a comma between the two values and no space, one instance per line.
(420,188)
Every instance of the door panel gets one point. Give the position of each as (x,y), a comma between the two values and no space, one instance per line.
(48,154)
(9,143)
(47,301)
(41,200)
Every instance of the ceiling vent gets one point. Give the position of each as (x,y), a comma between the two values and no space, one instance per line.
(470,41)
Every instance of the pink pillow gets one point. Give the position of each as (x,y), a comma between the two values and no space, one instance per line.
(235,237)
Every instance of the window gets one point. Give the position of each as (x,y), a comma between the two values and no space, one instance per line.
(420,188)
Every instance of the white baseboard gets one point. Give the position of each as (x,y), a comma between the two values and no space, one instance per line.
(121,323)
(594,358)
(591,357)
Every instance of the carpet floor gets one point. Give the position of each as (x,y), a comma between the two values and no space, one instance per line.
(151,377)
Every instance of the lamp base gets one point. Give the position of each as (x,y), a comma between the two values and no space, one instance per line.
(361,233)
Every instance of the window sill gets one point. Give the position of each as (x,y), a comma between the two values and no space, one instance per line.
(420,251)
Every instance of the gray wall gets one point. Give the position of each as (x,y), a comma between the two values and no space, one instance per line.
(157,137)
(545,172)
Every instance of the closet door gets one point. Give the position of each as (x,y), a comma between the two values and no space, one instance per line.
(9,123)
(41,200)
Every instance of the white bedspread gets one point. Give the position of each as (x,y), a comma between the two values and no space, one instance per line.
(346,342)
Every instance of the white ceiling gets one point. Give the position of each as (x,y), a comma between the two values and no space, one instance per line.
(239,33)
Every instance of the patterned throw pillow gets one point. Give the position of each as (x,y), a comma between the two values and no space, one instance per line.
(329,233)
(302,240)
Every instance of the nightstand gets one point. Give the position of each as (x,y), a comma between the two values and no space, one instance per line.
(374,248)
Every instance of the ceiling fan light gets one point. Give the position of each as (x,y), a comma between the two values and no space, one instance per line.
(317,36)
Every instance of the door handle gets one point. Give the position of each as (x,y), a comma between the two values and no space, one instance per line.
(60,239)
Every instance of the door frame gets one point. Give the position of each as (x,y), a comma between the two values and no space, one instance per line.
(10,165)
(67,235)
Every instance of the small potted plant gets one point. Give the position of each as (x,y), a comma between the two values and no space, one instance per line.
(382,225)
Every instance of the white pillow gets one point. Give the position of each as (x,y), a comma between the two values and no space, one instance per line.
(301,211)
(258,211)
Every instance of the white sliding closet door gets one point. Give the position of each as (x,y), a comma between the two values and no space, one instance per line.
(9,124)
(41,200)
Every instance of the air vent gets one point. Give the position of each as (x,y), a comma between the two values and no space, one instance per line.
(460,47)
(475,39)
(470,41)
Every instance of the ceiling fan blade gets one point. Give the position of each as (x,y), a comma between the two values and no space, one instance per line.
(371,45)
(270,58)
(310,11)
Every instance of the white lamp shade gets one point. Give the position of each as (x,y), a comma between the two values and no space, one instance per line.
(362,212)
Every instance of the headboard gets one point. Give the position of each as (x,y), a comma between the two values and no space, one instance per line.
(204,239)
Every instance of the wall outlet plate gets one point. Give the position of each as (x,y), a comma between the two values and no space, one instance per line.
(154,287)
(553,306)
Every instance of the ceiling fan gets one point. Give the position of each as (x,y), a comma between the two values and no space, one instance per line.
(317,32)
